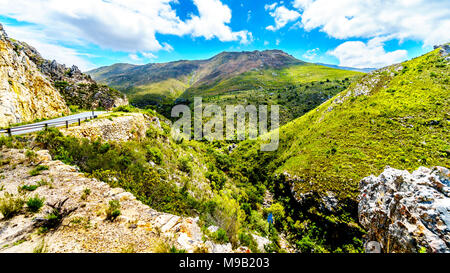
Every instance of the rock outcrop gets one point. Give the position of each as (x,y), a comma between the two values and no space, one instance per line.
(131,126)
(138,228)
(26,94)
(407,212)
(76,87)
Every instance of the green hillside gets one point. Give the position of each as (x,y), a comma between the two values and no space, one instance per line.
(397,116)
(267,77)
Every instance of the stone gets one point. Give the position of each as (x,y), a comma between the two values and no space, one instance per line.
(407,212)
(26,94)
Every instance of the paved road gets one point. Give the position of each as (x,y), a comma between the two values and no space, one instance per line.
(38,126)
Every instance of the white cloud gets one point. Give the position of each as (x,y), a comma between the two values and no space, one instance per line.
(282,16)
(149,55)
(311,54)
(423,20)
(427,21)
(366,55)
(212,23)
(271,6)
(48,48)
(123,25)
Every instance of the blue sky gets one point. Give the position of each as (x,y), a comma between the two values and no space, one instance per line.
(93,33)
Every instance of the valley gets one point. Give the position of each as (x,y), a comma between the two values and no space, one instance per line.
(348,142)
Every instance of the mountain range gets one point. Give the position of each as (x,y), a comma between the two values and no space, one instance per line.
(257,77)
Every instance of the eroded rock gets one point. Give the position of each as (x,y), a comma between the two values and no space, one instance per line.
(407,212)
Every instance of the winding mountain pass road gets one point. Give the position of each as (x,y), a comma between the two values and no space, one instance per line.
(57,122)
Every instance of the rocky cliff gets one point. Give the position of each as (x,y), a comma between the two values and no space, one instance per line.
(406,212)
(26,93)
(85,226)
(77,88)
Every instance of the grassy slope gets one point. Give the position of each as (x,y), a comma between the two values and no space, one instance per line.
(403,122)
(397,116)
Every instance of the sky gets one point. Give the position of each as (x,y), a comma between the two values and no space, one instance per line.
(94,33)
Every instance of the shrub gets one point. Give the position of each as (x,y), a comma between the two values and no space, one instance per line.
(28,188)
(247,239)
(30,154)
(220,236)
(86,193)
(38,170)
(217,180)
(10,206)
(125,108)
(154,154)
(113,211)
(185,165)
(228,216)
(35,203)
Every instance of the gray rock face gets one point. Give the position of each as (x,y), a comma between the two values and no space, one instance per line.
(407,212)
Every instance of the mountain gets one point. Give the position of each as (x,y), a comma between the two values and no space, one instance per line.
(26,93)
(364,70)
(396,116)
(257,77)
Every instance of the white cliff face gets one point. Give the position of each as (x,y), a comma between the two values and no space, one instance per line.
(25,93)
(406,212)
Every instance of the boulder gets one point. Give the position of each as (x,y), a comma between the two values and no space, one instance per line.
(407,212)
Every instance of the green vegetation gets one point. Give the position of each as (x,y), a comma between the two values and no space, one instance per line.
(87,95)
(38,170)
(35,203)
(298,89)
(397,116)
(401,122)
(113,211)
(229,78)
(10,205)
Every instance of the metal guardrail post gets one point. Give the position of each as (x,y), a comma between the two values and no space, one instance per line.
(67,124)
(46,126)
(79,122)
(9,132)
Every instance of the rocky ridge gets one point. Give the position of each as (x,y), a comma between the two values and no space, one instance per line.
(26,93)
(76,87)
(137,229)
(407,212)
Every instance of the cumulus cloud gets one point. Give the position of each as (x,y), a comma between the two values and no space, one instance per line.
(427,21)
(366,55)
(423,20)
(49,48)
(282,16)
(129,26)
(311,54)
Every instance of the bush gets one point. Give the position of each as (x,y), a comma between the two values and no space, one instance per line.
(35,203)
(125,108)
(220,236)
(154,154)
(28,188)
(217,180)
(113,211)
(228,216)
(185,165)
(38,170)
(10,206)
(247,239)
